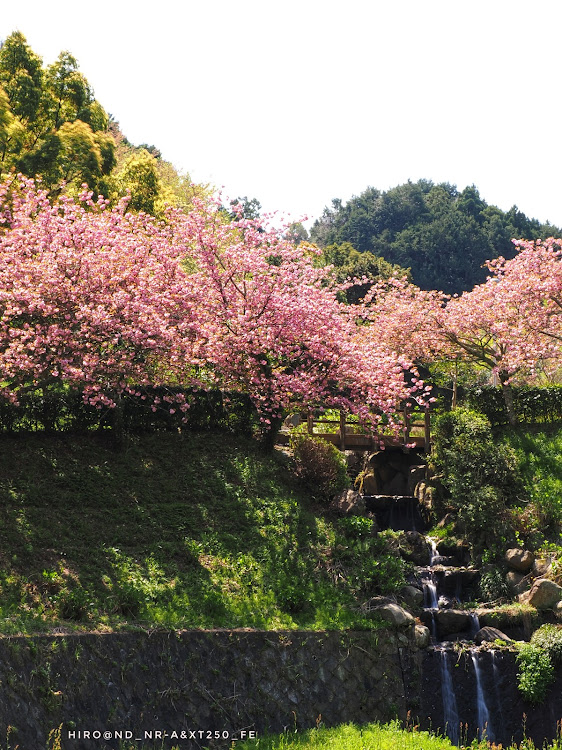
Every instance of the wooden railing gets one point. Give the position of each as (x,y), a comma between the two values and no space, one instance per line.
(415,432)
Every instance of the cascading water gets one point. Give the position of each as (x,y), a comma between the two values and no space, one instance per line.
(475,624)
(483,713)
(450,709)
(496,677)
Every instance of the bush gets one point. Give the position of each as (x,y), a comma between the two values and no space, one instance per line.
(536,662)
(478,478)
(531,404)
(320,465)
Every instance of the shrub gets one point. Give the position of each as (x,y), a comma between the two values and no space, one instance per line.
(478,477)
(536,662)
(320,465)
(536,672)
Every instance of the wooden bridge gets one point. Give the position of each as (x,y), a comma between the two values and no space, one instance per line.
(348,435)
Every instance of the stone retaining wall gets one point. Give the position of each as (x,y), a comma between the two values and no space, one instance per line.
(133,686)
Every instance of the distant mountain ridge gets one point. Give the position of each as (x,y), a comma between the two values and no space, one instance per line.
(442,235)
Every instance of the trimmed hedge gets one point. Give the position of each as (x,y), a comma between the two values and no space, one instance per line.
(66,411)
(531,404)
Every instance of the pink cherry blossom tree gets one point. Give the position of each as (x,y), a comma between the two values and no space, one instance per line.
(90,296)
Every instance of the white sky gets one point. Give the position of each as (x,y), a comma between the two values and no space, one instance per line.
(299,102)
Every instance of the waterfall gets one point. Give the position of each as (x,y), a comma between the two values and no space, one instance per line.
(496,676)
(475,624)
(484,726)
(434,554)
(450,709)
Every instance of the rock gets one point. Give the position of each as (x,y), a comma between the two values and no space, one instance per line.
(389,611)
(424,493)
(415,475)
(452,621)
(421,636)
(544,594)
(541,567)
(352,459)
(370,484)
(520,559)
(414,548)
(490,635)
(396,486)
(517,582)
(350,503)
(412,596)
(558,610)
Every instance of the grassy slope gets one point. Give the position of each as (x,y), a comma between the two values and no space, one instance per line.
(173,531)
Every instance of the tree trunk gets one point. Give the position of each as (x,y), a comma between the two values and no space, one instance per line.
(508,401)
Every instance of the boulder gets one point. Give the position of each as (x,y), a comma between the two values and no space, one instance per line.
(517,582)
(350,503)
(422,636)
(489,634)
(452,621)
(416,474)
(370,484)
(544,594)
(520,560)
(414,548)
(424,494)
(389,611)
(541,567)
(412,596)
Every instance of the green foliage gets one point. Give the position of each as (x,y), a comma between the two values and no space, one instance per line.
(539,458)
(479,477)
(493,586)
(537,660)
(442,235)
(531,404)
(549,638)
(536,672)
(50,123)
(178,531)
(350,264)
(370,563)
(350,737)
(319,465)
(64,410)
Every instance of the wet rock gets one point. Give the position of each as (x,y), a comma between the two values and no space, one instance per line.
(388,611)
(452,621)
(350,503)
(544,594)
(489,635)
(411,595)
(396,486)
(421,636)
(520,560)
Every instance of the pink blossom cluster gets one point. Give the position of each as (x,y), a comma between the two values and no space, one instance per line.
(110,301)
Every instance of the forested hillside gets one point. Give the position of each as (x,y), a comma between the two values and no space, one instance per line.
(443,235)
(52,126)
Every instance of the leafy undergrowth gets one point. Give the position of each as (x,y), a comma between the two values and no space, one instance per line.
(539,458)
(173,531)
(369,737)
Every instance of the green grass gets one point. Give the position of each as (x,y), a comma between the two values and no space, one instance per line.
(173,531)
(368,737)
(539,458)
